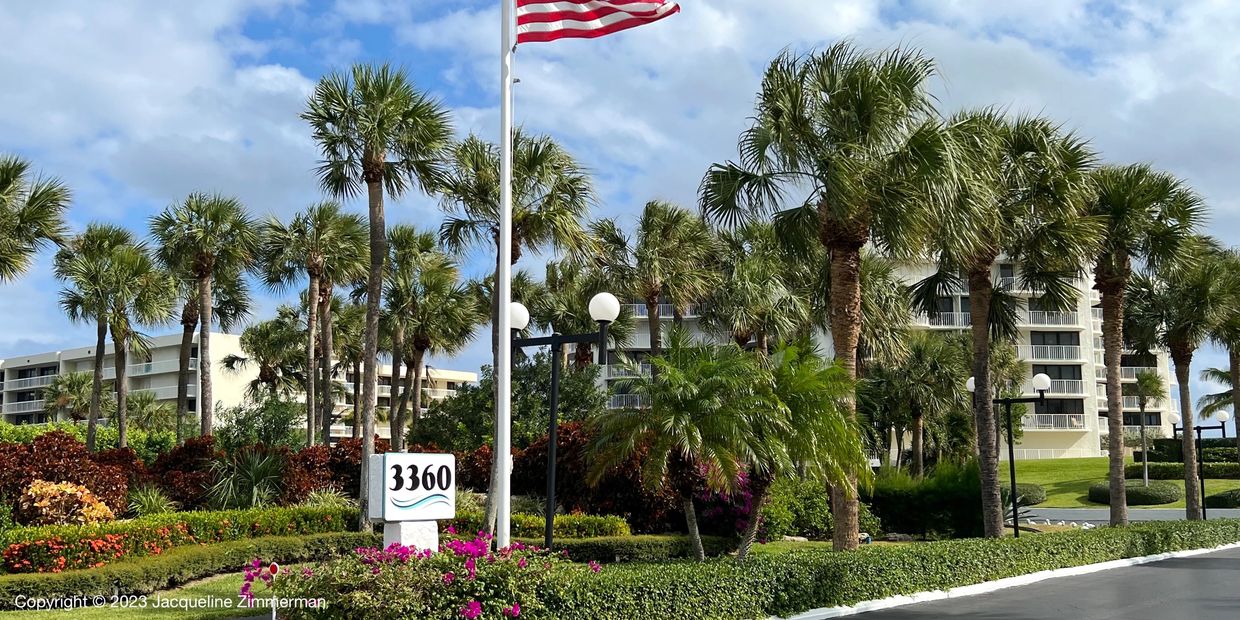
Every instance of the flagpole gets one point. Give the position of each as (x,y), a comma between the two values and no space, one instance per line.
(503,374)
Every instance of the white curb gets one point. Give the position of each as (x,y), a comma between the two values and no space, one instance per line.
(993,586)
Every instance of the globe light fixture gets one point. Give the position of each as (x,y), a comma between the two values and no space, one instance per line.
(1041,382)
(518,316)
(604,307)
(970,385)
(1174,417)
(1222,416)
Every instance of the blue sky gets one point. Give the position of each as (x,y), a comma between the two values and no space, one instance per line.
(137,103)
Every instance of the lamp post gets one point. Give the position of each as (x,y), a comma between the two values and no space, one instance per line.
(604,308)
(1041,383)
(1222,417)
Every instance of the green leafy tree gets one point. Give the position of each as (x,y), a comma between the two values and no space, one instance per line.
(930,378)
(274,348)
(148,413)
(378,132)
(31,215)
(1227,335)
(562,305)
(70,394)
(753,299)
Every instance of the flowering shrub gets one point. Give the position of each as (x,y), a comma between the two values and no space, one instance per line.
(464,580)
(59,457)
(60,503)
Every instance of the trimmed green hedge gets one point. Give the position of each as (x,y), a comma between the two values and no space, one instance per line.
(179,566)
(1213,448)
(645,548)
(786,584)
(533,526)
(1030,494)
(1175,471)
(1226,499)
(1137,494)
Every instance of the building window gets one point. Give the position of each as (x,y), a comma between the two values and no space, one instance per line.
(1055,372)
(1055,338)
(964,304)
(193,352)
(946,304)
(1143,361)
(191,404)
(1059,405)
(1134,419)
(1007,270)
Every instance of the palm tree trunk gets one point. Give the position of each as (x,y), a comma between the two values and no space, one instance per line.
(205,401)
(653,324)
(325,359)
(357,401)
(981,289)
(918,464)
(189,321)
(845,302)
(396,422)
(1112,349)
(312,322)
(418,355)
(120,346)
(695,536)
(1183,359)
(759,490)
(1233,358)
(1145,456)
(96,387)
(370,348)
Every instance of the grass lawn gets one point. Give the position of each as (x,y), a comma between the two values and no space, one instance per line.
(217,588)
(1067,481)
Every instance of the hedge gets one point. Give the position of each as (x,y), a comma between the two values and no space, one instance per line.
(1137,494)
(1175,471)
(534,526)
(1172,450)
(54,548)
(1030,494)
(179,566)
(786,584)
(644,548)
(1226,499)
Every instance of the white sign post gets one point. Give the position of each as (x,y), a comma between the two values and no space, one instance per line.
(409,493)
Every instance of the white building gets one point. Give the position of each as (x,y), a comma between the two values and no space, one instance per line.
(1066,345)
(437,384)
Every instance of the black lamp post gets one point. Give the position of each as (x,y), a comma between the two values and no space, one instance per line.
(1176,429)
(1041,383)
(604,308)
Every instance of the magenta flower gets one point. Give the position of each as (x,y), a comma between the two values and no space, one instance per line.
(450,530)
(472,610)
(521,563)
(514,611)
(595,566)
(448,578)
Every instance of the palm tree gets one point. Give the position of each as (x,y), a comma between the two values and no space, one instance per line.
(31,215)
(562,305)
(669,256)
(325,245)
(701,405)
(376,131)
(1023,200)
(551,193)
(151,414)
(1148,216)
(85,265)
(349,336)
(206,235)
(1149,387)
(753,301)
(930,376)
(1176,309)
(1227,335)
(71,394)
(857,130)
(274,347)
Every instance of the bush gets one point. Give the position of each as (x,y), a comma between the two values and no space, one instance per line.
(947,503)
(178,566)
(644,548)
(1030,494)
(248,478)
(58,457)
(1175,471)
(1214,448)
(1226,499)
(803,508)
(533,526)
(1159,492)
(1219,454)
(184,472)
(60,503)
(328,498)
(306,471)
(271,422)
(57,548)
(345,464)
(792,583)
(149,500)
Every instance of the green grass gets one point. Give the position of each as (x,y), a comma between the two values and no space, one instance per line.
(217,588)
(1067,481)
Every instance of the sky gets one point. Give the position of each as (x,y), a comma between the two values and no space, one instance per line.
(136,103)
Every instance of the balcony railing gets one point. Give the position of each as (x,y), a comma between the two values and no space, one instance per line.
(1061,386)
(945,319)
(169,391)
(1127,373)
(622,371)
(149,368)
(25,406)
(439,392)
(1053,352)
(1040,317)
(1096,313)
(1055,422)
(627,401)
(666,311)
(29,383)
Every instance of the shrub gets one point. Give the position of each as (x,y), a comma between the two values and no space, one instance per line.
(1030,494)
(60,503)
(249,478)
(306,471)
(473,470)
(1172,450)
(57,548)
(643,548)
(1159,492)
(177,566)
(1219,454)
(271,422)
(947,503)
(803,508)
(147,445)
(148,500)
(345,464)
(533,526)
(1175,471)
(58,457)
(328,498)
(184,472)
(1226,499)
(126,460)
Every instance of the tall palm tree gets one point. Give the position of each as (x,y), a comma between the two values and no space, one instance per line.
(1149,387)
(701,406)
(70,393)
(1148,215)
(323,244)
(753,300)
(86,265)
(1227,334)
(562,305)
(31,215)
(930,376)
(376,131)
(1023,200)
(274,347)
(1175,309)
(551,193)
(670,256)
(858,131)
(206,235)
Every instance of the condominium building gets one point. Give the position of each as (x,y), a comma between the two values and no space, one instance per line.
(23,378)
(1065,345)
(437,384)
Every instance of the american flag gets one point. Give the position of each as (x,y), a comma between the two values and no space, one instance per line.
(548,20)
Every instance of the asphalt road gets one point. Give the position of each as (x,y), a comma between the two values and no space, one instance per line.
(1198,588)
(1103,515)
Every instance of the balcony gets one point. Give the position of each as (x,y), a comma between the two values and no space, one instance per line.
(26,406)
(1054,422)
(944,319)
(666,311)
(627,401)
(1071,387)
(29,383)
(1096,313)
(1048,352)
(1126,373)
(438,393)
(168,392)
(149,368)
(1052,319)
(625,371)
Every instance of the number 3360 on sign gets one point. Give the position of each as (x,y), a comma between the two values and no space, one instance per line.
(412,487)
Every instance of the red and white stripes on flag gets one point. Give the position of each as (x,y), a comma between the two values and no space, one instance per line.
(548,20)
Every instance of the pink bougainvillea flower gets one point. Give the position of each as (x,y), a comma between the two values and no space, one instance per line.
(448,578)
(471,610)
(522,563)
(514,611)
(595,566)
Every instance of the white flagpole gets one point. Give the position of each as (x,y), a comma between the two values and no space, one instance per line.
(503,286)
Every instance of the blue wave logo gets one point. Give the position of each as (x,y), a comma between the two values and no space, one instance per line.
(430,500)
